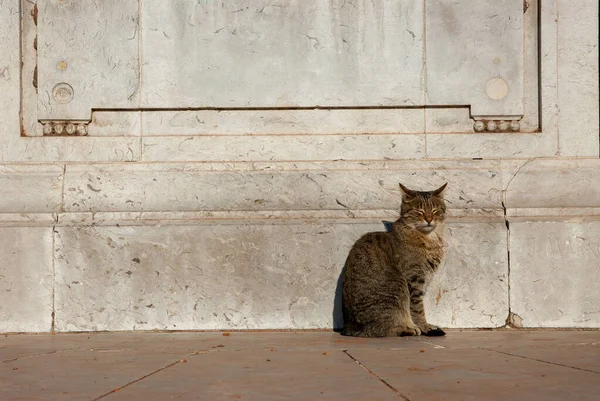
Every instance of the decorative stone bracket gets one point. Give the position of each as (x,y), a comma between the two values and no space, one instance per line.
(65,128)
(496,126)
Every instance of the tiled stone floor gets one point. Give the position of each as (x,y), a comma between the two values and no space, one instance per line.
(470,365)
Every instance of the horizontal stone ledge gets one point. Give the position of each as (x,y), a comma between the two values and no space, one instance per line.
(75,149)
(127,218)
(283,147)
(278,122)
(347,216)
(566,214)
(275,186)
(30,188)
(416,165)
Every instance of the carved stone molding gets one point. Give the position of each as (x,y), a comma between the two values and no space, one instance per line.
(497,126)
(65,128)
(79,80)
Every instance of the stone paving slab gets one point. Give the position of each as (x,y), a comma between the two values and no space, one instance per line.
(477,374)
(468,365)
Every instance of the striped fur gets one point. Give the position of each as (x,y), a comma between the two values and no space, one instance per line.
(386,273)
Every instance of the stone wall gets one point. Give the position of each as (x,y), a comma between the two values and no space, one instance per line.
(144,190)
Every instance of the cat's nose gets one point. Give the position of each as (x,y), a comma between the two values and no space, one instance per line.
(428,219)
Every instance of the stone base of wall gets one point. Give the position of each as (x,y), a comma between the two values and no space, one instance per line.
(200,247)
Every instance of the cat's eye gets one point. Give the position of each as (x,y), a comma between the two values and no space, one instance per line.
(436,211)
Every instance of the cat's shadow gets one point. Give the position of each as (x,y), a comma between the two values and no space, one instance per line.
(338,314)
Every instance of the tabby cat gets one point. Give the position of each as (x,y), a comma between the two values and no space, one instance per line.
(386,273)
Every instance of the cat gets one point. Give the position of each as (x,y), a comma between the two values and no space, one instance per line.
(386,273)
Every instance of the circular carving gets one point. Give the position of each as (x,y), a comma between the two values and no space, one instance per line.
(515,126)
(491,125)
(503,125)
(63,93)
(81,129)
(496,88)
(70,128)
(47,129)
(58,129)
(479,126)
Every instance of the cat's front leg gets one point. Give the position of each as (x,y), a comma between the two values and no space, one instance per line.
(417,310)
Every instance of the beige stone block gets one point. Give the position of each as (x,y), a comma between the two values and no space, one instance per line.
(282,54)
(475,55)
(551,183)
(552,274)
(26,279)
(10,63)
(252,276)
(283,148)
(69,149)
(277,122)
(490,146)
(329,186)
(31,188)
(471,288)
(549,71)
(200,277)
(94,57)
(578,91)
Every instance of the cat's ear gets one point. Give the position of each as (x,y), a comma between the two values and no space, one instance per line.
(408,193)
(440,191)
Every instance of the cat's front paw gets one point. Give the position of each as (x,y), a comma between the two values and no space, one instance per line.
(410,330)
(432,331)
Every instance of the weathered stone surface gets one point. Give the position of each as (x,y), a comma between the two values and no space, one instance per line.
(578,77)
(282,54)
(548,59)
(28,219)
(531,67)
(25,279)
(226,177)
(70,149)
(552,275)
(283,148)
(471,287)
(251,276)
(551,183)
(10,62)
(30,188)
(490,146)
(278,122)
(98,58)
(115,123)
(448,120)
(491,35)
(543,144)
(29,93)
(201,277)
(291,186)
